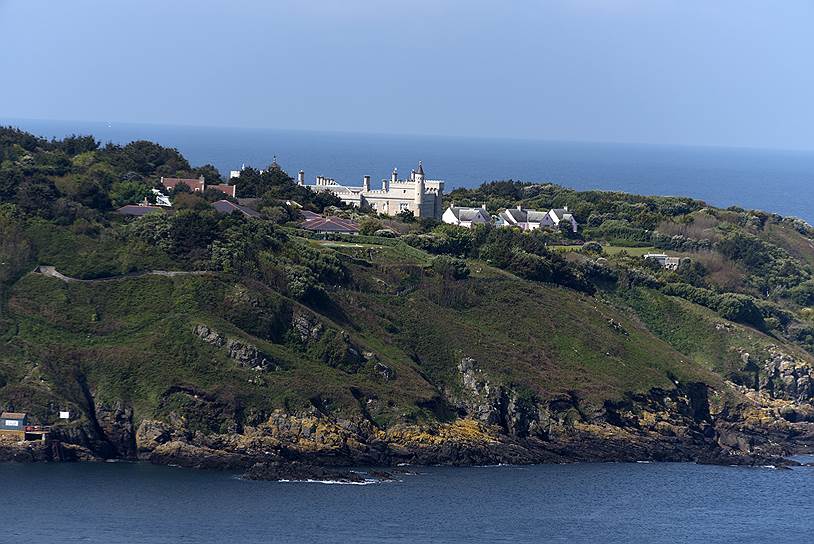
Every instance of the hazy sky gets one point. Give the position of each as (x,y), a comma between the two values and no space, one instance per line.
(723,72)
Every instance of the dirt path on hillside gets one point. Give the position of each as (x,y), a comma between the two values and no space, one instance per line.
(52,272)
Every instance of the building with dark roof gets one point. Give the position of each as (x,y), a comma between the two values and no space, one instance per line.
(137,210)
(228,190)
(331,225)
(533,219)
(466,217)
(225,206)
(13,424)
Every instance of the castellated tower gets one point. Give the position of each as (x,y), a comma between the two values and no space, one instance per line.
(418,177)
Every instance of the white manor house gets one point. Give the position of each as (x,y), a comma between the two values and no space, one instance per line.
(420,195)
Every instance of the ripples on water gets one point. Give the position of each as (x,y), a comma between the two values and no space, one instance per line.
(591,503)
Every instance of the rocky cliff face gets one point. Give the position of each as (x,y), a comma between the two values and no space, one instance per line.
(496,423)
(516,415)
(500,427)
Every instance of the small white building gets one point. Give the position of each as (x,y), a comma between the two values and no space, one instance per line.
(466,217)
(556,216)
(522,218)
(533,219)
(670,263)
(161,199)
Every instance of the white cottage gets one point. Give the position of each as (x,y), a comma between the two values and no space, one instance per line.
(522,218)
(558,215)
(466,217)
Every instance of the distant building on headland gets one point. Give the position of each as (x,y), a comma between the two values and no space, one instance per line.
(670,263)
(466,217)
(417,194)
(198,185)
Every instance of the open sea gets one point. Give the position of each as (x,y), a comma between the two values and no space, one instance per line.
(771,180)
(124,503)
(111,503)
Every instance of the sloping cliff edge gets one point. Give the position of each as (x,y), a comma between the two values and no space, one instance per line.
(690,423)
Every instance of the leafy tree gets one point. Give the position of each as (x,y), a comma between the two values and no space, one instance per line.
(145,158)
(37,196)
(407,216)
(190,201)
(76,145)
(209,172)
(90,194)
(213,195)
(128,192)
(369,226)
(450,267)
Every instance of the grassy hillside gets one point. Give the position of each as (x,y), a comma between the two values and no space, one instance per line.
(436,326)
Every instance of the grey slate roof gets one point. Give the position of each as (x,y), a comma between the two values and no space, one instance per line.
(468,214)
(224,206)
(331,224)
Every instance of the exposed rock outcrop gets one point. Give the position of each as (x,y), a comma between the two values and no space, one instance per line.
(784,376)
(245,354)
(517,415)
(307,328)
(116,423)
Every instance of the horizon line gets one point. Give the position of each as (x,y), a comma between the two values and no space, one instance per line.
(9,121)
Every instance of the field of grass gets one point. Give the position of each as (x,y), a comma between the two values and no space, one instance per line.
(612,250)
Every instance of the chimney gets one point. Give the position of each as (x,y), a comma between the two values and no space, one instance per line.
(301,178)
(520,207)
(366,183)
(394,177)
(483,206)
(565,208)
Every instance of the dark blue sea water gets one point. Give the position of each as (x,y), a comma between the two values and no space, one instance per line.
(777,181)
(581,503)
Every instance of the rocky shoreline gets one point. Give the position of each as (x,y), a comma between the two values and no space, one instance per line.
(679,425)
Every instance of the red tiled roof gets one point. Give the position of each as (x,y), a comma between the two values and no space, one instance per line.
(330,224)
(224,188)
(194,184)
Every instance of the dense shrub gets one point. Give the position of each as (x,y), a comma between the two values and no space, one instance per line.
(450,267)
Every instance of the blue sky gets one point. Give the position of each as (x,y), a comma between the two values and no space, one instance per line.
(725,72)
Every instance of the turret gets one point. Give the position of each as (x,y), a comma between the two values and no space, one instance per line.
(301,178)
(366,184)
(418,176)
